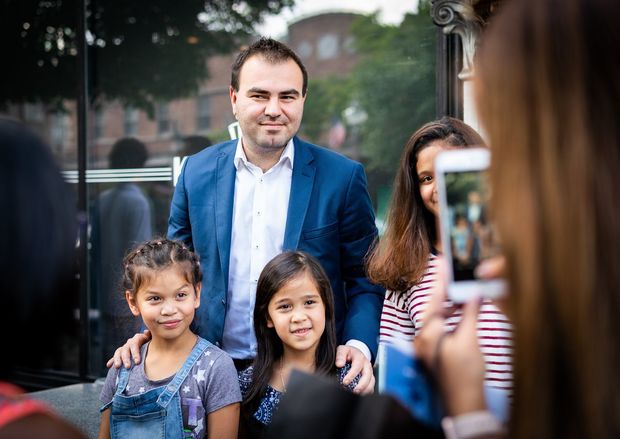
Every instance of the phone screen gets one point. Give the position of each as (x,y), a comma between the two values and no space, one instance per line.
(472,237)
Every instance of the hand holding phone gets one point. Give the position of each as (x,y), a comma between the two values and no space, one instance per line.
(467,235)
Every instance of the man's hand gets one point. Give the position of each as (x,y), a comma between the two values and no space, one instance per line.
(359,363)
(130,349)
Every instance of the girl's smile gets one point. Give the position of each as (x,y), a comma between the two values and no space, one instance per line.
(170,324)
(301,332)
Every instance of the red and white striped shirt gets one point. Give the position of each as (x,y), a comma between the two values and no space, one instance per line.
(401,319)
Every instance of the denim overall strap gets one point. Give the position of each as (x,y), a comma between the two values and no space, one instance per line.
(172,388)
(123,379)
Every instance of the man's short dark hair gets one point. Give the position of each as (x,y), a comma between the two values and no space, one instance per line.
(128,152)
(274,52)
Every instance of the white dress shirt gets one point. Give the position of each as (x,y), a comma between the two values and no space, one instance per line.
(259,220)
(260,210)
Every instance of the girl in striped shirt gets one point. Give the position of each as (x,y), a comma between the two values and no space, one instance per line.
(405,260)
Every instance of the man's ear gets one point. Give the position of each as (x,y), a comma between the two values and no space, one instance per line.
(197,289)
(233,100)
(131,301)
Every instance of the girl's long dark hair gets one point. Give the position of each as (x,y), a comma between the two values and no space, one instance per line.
(280,270)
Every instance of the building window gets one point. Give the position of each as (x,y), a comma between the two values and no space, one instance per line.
(327,47)
(130,121)
(349,45)
(204,112)
(304,49)
(99,125)
(59,127)
(163,118)
(34,113)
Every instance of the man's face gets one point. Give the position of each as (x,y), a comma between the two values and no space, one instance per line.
(269,104)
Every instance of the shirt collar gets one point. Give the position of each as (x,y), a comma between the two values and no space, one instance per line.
(287,157)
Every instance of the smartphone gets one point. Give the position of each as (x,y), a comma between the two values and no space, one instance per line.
(404,376)
(467,235)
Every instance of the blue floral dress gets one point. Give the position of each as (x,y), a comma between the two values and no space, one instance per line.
(271,400)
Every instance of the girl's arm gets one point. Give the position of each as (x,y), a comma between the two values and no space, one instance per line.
(221,424)
(104,426)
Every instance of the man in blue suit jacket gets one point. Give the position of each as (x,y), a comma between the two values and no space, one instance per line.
(318,203)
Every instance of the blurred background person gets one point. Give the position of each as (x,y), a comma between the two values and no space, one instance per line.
(36,264)
(160,192)
(193,144)
(548,95)
(121,219)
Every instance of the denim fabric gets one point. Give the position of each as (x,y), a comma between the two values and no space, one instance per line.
(154,414)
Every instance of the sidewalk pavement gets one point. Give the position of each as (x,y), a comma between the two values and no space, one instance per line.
(78,403)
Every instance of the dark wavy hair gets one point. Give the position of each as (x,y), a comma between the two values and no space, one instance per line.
(156,255)
(279,271)
(399,259)
(37,254)
(273,52)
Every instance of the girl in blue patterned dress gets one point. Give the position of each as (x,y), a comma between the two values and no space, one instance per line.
(295,329)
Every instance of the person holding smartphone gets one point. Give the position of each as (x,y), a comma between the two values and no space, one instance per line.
(405,259)
(548,95)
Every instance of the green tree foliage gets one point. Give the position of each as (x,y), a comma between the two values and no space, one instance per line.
(395,83)
(158,47)
(327,98)
(460,184)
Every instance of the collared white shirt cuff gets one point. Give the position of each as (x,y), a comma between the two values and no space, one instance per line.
(361,346)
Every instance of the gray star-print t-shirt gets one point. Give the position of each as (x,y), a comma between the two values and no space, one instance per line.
(211,384)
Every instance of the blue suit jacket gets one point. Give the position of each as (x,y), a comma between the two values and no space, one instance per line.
(329,216)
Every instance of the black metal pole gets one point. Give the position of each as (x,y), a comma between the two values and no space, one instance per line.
(82,109)
(448,88)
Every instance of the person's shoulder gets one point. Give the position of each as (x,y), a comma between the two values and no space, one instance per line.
(211,350)
(131,193)
(209,155)
(113,372)
(324,154)
(245,380)
(214,357)
(246,374)
(213,150)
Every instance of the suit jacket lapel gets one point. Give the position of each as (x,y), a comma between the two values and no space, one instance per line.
(224,198)
(301,190)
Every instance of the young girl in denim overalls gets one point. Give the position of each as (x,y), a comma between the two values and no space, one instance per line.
(185,387)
